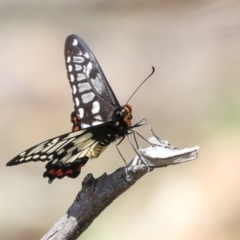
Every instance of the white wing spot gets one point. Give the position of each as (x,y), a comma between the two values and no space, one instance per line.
(70,68)
(43,157)
(81,112)
(47,148)
(98,117)
(95,107)
(74,89)
(28,158)
(90,65)
(55,140)
(83,87)
(75,42)
(96,123)
(85,125)
(55,161)
(78,67)
(71,77)
(86,55)
(72,135)
(35,156)
(22,154)
(56,146)
(87,97)
(68,59)
(78,59)
(36,149)
(77,101)
(89,68)
(60,151)
(80,77)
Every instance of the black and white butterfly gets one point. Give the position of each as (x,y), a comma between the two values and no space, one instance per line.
(98,119)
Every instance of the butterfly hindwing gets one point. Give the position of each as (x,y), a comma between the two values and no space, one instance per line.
(94,100)
(66,154)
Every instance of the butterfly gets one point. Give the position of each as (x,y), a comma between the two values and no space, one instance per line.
(98,119)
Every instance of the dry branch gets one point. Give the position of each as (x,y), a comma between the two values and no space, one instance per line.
(97,194)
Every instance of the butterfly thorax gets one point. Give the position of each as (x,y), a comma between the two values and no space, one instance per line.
(111,131)
(117,128)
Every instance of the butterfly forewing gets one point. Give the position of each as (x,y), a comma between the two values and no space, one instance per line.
(94,100)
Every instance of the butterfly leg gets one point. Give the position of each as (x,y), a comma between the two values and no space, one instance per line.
(137,133)
(150,128)
(120,151)
(121,154)
(158,139)
(131,131)
(135,149)
(143,122)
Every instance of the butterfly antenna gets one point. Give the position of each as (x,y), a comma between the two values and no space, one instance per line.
(153,70)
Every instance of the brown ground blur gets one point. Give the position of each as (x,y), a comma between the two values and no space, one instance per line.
(192,99)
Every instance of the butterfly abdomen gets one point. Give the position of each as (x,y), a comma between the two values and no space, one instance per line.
(98,150)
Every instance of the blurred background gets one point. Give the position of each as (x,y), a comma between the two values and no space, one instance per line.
(192,99)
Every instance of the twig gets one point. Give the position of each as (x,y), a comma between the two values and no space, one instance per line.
(97,194)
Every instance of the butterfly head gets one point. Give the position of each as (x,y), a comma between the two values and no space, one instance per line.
(127,114)
(123,116)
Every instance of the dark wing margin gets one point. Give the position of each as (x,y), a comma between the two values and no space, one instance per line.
(66,154)
(94,100)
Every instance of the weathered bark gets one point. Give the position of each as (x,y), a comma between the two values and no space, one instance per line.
(97,194)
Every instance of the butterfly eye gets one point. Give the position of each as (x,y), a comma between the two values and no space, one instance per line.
(123,112)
